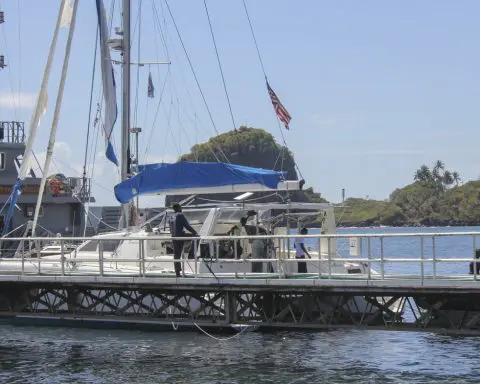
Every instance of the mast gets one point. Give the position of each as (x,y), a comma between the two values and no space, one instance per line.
(125,155)
(56,115)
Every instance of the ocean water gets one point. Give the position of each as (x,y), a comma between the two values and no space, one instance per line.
(65,355)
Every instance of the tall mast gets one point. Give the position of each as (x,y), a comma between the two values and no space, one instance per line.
(125,156)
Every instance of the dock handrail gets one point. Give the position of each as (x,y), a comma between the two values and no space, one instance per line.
(373,263)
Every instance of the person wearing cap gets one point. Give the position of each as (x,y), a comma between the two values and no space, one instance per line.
(178,223)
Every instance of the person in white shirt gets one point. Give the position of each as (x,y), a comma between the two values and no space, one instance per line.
(301,251)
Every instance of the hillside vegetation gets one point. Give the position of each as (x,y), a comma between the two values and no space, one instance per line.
(252,147)
(435,197)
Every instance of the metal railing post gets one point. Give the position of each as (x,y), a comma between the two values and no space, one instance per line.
(382,261)
(278,256)
(195,249)
(23,262)
(320,257)
(62,255)
(100,256)
(434,258)
(141,259)
(421,259)
(37,248)
(329,249)
(369,244)
(474,260)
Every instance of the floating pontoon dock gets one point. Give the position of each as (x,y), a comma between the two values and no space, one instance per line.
(431,289)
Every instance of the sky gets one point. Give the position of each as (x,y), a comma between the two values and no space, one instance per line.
(375,89)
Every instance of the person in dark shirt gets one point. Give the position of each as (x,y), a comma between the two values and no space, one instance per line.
(178,224)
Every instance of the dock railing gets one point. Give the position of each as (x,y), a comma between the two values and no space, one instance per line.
(386,256)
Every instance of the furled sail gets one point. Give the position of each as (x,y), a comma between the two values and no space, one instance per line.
(108,82)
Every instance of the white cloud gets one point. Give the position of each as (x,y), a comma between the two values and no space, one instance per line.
(22,100)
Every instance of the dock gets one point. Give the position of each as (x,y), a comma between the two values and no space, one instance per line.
(430,300)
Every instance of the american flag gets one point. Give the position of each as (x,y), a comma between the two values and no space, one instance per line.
(280,110)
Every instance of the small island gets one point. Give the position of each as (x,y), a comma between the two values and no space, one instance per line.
(436,196)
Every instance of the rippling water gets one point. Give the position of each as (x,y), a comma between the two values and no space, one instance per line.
(60,355)
(63,355)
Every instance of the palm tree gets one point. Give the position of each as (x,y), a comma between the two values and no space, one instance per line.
(422,174)
(456,177)
(448,178)
(439,164)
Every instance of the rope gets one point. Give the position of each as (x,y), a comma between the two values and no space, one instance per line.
(219,64)
(222,339)
(195,77)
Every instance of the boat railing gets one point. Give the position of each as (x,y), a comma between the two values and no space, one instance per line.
(364,257)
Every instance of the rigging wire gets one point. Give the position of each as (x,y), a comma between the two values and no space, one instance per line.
(265,75)
(156,115)
(254,39)
(220,65)
(195,76)
(84,176)
(163,35)
(90,107)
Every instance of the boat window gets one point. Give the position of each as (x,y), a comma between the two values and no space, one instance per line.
(91,246)
(108,246)
(193,217)
(2,161)
(228,216)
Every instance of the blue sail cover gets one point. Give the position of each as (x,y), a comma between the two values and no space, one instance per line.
(161,178)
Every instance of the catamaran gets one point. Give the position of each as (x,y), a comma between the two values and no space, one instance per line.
(148,248)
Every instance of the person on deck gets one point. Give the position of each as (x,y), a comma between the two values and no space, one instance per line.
(178,224)
(301,251)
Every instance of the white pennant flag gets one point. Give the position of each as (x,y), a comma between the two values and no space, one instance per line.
(66,14)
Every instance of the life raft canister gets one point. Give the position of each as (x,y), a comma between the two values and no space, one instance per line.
(55,186)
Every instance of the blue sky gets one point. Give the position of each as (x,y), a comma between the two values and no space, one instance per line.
(375,88)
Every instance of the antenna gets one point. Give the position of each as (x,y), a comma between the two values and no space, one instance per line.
(2,58)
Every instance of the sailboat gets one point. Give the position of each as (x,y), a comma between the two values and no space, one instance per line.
(148,249)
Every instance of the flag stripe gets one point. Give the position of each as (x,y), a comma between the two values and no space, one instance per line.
(280,110)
